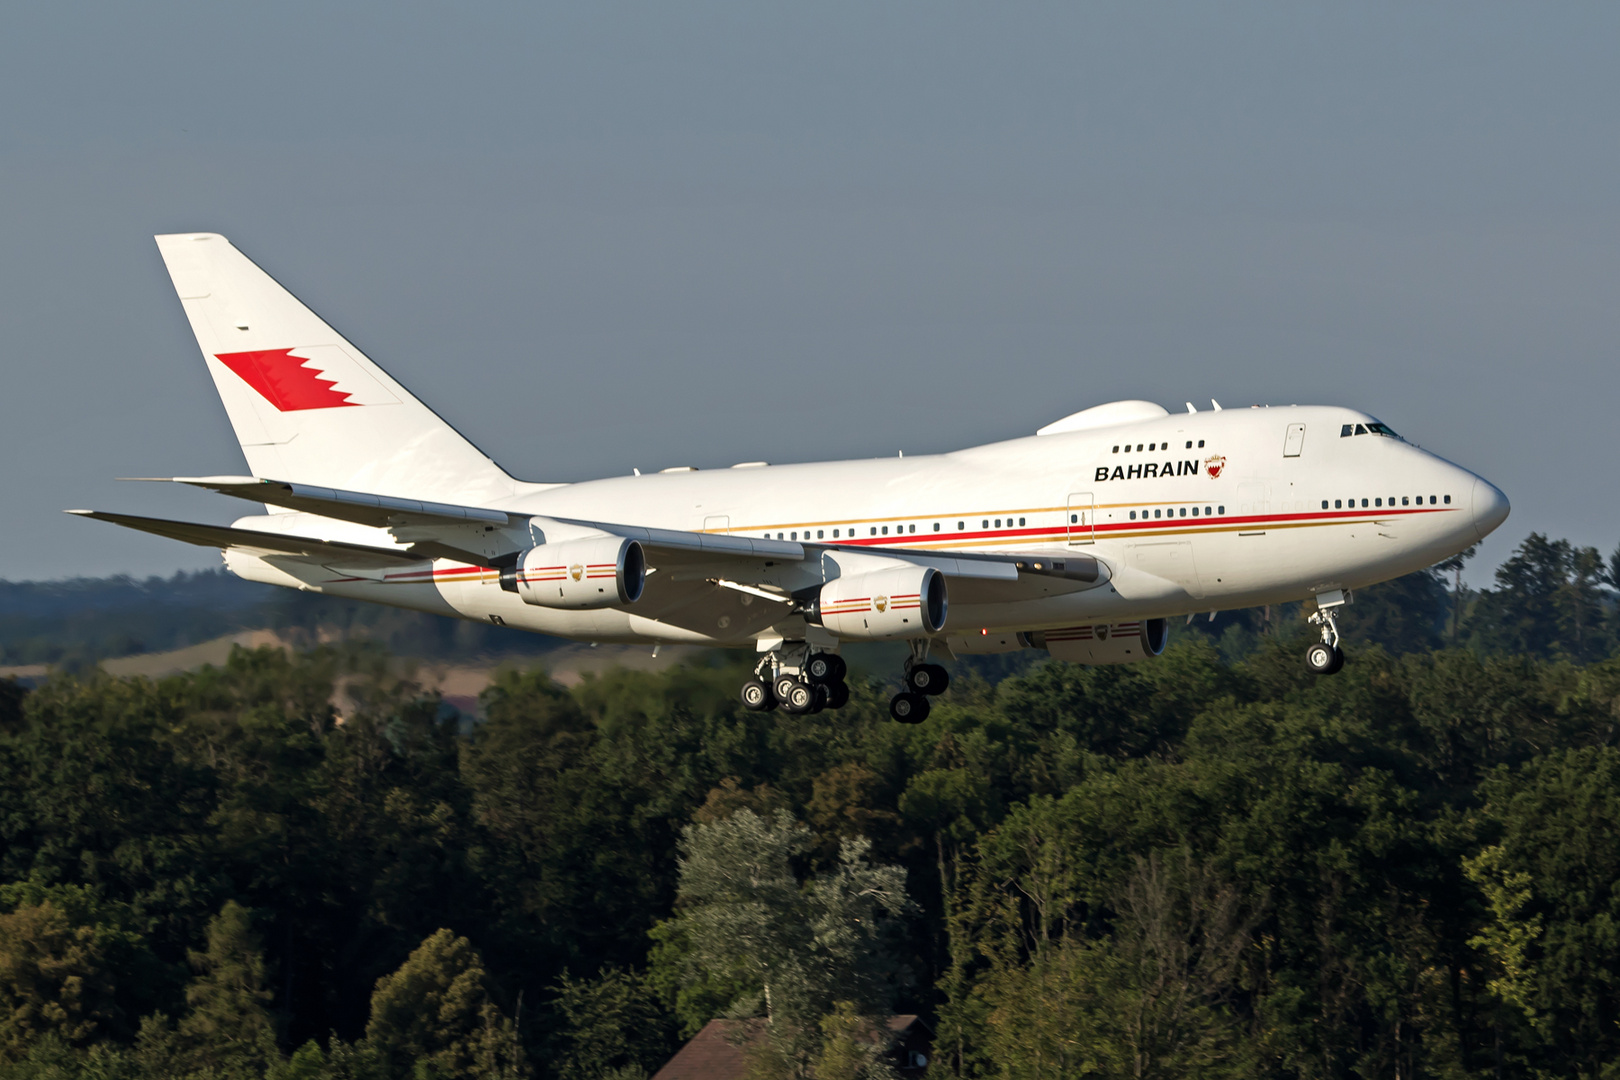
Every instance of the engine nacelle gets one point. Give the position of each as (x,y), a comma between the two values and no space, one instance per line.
(903,601)
(594,572)
(1105,643)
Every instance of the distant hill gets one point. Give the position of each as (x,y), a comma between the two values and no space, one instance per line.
(73,624)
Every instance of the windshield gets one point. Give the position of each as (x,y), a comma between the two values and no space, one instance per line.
(1373,428)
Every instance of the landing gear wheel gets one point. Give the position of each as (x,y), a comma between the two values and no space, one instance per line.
(783,686)
(800,699)
(928,679)
(757,697)
(908,708)
(1324,659)
(838,695)
(825,668)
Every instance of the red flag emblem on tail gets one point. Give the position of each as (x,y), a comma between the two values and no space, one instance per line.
(283,380)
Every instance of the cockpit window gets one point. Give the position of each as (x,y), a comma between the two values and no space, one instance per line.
(1373,428)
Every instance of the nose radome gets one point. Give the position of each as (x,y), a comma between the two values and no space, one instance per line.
(1490,507)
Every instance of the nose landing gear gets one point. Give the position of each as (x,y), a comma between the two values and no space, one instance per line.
(1325,657)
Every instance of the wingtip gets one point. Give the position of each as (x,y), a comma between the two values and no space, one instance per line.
(80,513)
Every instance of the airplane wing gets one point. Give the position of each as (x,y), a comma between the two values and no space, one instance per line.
(255,542)
(482,536)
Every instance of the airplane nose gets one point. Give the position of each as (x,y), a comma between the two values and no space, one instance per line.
(1490,507)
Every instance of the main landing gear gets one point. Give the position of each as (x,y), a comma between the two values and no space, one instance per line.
(798,680)
(923,681)
(1325,657)
(801,681)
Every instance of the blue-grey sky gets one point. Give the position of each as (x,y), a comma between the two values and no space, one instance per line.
(600,236)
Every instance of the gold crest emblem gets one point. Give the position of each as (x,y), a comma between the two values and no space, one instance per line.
(577,571)
(881,603)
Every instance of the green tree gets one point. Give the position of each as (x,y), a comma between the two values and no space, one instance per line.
(614,1026)
(801,947)
(435,1015)
(62,952)
(1552,883)
(227,1027)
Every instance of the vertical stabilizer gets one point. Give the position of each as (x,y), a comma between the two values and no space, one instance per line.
(308,406)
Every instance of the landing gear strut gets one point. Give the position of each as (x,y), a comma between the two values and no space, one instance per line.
(923,681)
(1325,657)
(797,679)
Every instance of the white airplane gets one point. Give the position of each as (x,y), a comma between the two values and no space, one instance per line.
(1083,539)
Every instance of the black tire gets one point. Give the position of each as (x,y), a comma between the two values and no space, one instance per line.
(783,686)
(838,695)
(757,697)
(801,699)
(908,708)
(823,694)
(930,679)
(824,668)
(1323,659)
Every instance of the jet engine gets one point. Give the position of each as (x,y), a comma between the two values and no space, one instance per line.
(593,572)
(1104,643)
(899,601)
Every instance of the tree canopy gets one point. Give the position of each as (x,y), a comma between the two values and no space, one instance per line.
(1208,864)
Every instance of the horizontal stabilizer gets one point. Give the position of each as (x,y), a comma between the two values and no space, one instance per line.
(254,542)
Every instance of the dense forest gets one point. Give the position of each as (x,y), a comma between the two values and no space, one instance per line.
(1209,864)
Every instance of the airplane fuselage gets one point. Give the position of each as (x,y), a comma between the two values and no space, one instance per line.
(1187,512)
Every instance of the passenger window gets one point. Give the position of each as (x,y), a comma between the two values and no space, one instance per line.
(1116,449)
(1378,502)
(819,534)
(1153,446)
(1133,515)
(1200,444)
(1195,511)
(1363,502)
(835,534)
(1074,518)
(998,523)
(936,526)
(1220,509)
(1138,447)
(1448,500)
(1431,500)
(1020,522)
(1324,504)
(911,528)
(960,526)
(793,536)
(1406,501)
(874,530)
(779,536)
(1206,511)
(1183,511)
